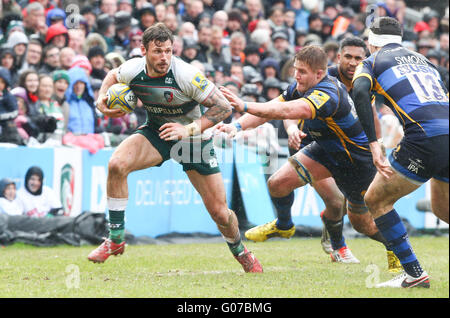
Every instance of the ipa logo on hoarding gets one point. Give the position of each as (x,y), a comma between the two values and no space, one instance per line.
(67,188)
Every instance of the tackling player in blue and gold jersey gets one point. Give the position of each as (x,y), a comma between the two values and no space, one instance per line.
(340,146)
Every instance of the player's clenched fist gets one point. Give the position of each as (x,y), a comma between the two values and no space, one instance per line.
(230,129)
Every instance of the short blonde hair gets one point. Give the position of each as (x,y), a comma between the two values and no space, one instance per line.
(314,56)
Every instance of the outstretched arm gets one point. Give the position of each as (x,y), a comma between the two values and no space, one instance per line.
(295,109)
(247,121)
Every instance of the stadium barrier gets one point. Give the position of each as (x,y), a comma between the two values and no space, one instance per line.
(162,200)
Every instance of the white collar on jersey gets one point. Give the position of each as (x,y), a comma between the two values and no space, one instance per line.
(381,40)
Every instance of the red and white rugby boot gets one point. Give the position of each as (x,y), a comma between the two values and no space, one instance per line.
(249,262)
(105,250)
(343,255)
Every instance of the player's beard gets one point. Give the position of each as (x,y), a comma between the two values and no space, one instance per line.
(303,87)
(345,73)
(160,68)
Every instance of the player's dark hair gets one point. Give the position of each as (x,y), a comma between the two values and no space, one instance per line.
(352,41)
(386,25)
(314,56)
(158,32)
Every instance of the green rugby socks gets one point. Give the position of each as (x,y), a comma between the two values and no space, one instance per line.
(117,226)
(116,209)
(236,248)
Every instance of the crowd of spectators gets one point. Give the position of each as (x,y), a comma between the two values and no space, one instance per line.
(55,53)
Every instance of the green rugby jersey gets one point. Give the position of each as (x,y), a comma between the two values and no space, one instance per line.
(174,97)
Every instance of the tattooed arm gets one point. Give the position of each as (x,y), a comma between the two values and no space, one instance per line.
(219,108)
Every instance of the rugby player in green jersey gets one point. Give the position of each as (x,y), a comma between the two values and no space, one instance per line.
(171,92)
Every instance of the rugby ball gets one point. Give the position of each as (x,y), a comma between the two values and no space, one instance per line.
(121,96)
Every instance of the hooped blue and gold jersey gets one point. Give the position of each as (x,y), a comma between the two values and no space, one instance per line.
(334,124)
(334,72)
(412,88)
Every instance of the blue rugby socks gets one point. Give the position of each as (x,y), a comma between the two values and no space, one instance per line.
(283,206)
(393,230)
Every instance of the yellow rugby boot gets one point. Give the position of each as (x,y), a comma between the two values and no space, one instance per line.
(263,232)
(394,265)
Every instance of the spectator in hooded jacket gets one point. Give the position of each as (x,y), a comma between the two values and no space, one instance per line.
(8,111)
(61,84)
(56,16)
(146,16)
(9,203)
(25,126)
(58,35)
(38,199)
(8,61)
(80,98)
(9,24)
(18,42)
